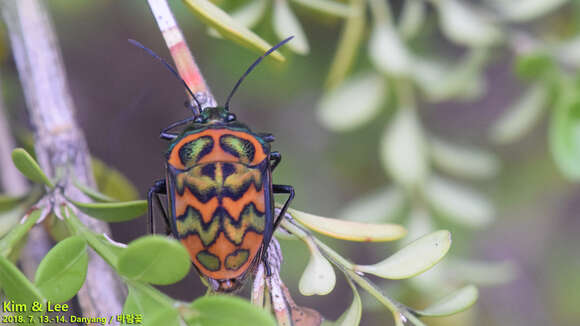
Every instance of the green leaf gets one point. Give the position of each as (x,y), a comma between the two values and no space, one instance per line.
(463,161)
(484,273)
(388,52)
(412,18)
(350,39)
(521,11)
(154,259)
(93,194)
(443,81)
(156,310)
(354,103)
(62,271)
(8,203)
(18,232)
(565,132)
(382,205)
(419,223)
(229,28)
(250,14)
(349,230)
(29,168)
(112,183)
(8,220)
(327,7)
(403,151)
(220,310)
(415,258)
(318,277)
(113,211)
(534,65)
(16,286)
(520,117)
(460,204)
(286,24)
(352,316)
(453,303)
(465,26)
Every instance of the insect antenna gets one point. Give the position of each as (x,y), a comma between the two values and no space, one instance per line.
(168,66)
(274,48)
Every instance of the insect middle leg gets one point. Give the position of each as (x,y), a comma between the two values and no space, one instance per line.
(277,189)
(158,188)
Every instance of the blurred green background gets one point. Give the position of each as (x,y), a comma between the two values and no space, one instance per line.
(124,98)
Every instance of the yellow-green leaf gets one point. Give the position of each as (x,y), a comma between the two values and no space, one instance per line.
(29,168)
(330,7)
(415,258)
(113,211)
(229,28)
(349,230)
(354,103)
(463,161)
(466,26)
(351,317)
(286,24)
(388,52)
(453,303)
(318,277)
(8,203)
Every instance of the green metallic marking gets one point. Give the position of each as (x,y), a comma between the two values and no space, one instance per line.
(208,260)
(192,224)
(191,152)
(236,259)
(239,147)
(250,219)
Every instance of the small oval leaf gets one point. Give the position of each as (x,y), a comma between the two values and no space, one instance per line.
(62,271)
(382,205)
(328,7)
(354,103)
(318,277)
(349,230)
(229,28)
(413,259)
(92,193)
(286,24)
(412,18)
(220,310)
(463,161)
(154,259)
(521,11)
(387,52)
(16,285)
(7,203)
(466,26)
(458,203)
(403,149)
(521,117)
(352,316)
(564,133)
(453,303)
(29,168)
(113,211)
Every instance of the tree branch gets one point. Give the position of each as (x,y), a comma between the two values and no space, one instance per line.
(60,146)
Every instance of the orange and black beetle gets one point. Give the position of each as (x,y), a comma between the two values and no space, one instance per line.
(220,196)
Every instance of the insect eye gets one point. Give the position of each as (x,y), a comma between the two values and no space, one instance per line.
(230,117)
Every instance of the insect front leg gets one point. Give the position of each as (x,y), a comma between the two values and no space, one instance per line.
(275,157)
(158,188)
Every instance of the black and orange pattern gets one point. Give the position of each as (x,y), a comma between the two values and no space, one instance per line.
(219,191)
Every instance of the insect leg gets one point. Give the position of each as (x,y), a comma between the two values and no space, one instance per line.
(165,134)
(159,187)
(275,157)
(277,189)
(283,189)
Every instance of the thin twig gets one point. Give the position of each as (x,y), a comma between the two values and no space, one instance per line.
(60,145)
(182,56)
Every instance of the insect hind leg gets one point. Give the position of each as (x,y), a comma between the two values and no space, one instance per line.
(158,188)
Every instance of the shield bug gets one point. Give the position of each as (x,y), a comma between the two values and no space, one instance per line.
(220,195)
